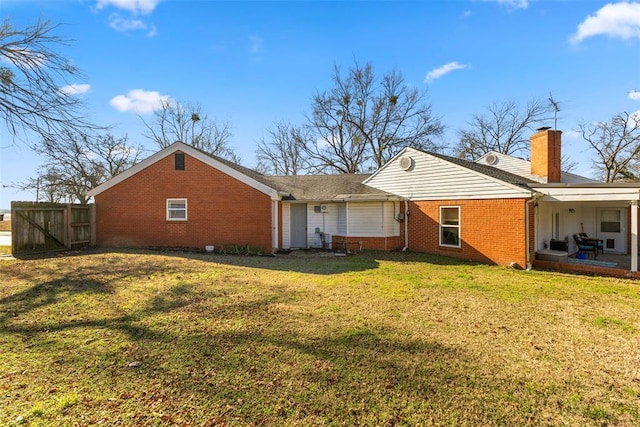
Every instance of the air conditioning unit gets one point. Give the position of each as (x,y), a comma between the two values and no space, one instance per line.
(324,208)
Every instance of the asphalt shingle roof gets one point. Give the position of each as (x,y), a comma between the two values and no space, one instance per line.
(324,187)
(488,170)
(328,187)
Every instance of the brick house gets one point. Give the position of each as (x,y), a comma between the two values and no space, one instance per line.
(498,209)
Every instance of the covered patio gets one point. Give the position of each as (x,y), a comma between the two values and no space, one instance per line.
(607,213)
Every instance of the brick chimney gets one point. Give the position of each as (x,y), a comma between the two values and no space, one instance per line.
(545,155)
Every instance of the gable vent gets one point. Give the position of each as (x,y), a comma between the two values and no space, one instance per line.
(491,159)
(405,163)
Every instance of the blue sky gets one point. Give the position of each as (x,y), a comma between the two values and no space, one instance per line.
(253,63)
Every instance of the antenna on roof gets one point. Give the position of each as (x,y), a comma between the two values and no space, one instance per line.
(556,108)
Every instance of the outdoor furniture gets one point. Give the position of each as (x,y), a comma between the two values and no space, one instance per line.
(552,255)
(559,245)
(588,244)
(598,242)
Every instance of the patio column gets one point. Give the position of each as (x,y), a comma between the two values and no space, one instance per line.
(634,235)
(275,228)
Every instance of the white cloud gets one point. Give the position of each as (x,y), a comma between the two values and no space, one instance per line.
(516,4)
(26,59)
(139,101)
(75,89)
(441,71)
(122,25)
(614,20)
(635,95)
(134,6)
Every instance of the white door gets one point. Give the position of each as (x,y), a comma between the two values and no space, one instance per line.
(612,229)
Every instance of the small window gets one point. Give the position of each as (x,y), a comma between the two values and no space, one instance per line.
(450,226)
(179,160)
(176,209)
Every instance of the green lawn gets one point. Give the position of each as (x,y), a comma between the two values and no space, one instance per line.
(374,339)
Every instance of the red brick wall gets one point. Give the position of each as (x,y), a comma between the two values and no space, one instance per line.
(221,209)
(491,231)
(379,243)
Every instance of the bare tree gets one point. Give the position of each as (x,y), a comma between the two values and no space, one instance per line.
(47,186)
(32,76)
(76,163)
(362,122)
(283,153)
(617,146)
(505,128)
(188,123)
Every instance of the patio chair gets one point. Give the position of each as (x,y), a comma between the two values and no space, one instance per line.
(586,245)
(599,242)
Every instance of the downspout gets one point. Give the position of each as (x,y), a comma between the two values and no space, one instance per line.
(406,226)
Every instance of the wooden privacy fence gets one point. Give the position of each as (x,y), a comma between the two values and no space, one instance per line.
(46,227)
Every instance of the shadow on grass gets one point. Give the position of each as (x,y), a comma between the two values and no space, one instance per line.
(59,291)
(310,261)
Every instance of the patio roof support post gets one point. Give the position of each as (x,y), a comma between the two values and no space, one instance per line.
(275,229)
(634,235)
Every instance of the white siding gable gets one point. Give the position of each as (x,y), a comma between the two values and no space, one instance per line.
(432,178)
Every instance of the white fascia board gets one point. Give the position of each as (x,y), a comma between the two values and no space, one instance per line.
(588,194)
(368,198)
(179,146)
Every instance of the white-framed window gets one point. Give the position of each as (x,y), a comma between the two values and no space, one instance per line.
(176,209)
(450,226)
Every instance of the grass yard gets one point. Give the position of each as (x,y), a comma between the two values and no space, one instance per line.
(378,339)
(5,225)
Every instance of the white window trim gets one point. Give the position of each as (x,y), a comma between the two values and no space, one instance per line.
(186,209)
(440,225)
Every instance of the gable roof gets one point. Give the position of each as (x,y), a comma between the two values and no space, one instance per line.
(435,176)
(328,187)
(522,167)
(487,170)
(242,174)
(295,187)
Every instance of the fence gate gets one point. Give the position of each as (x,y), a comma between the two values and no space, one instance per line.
(47,227)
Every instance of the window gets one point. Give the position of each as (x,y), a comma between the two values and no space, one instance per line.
(176,209)
(450,226)
(179,161)
(610,221)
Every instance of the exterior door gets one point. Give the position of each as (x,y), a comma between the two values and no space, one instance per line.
(612,229)
(298,225)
